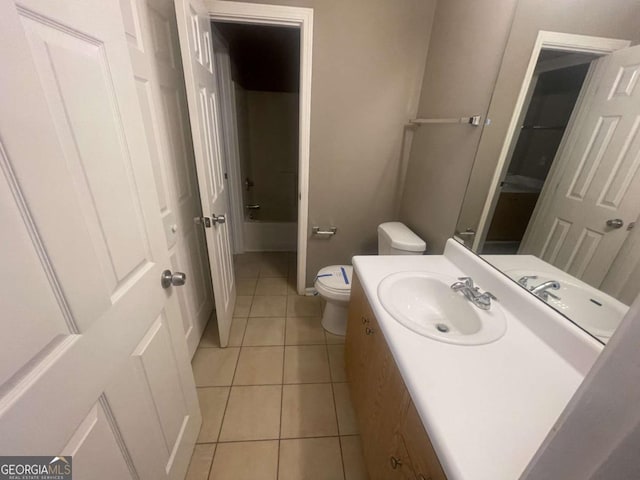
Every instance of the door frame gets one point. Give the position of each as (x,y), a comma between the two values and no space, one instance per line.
(301,18)
(566,42)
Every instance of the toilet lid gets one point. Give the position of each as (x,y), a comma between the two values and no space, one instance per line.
(336,277)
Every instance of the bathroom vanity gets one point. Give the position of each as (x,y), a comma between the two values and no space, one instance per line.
(395,443)
(429,408)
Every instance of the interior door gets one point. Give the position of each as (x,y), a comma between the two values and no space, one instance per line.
(594,195)
(194,28)
(157,66)
(90,365)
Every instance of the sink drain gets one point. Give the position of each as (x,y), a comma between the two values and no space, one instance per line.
(441,327)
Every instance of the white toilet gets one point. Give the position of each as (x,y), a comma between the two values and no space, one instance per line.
(333,283)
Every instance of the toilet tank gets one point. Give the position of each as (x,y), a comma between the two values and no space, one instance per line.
(395,238)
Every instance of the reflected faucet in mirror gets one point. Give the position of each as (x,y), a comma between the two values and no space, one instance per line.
(564,194)
(543,292)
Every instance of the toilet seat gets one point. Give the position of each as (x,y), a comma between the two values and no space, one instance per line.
(334,282)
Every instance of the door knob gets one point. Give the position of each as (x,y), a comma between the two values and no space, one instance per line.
(176,279)
(615,223)
(218,218)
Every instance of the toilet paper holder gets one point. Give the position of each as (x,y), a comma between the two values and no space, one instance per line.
(324,232)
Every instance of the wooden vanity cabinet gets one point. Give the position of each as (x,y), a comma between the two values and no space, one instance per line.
(394,442)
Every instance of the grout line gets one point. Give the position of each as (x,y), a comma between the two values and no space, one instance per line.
(215,452)
(274,439)
(224,414)
(335,409)
(344,470)
(267,384)
(284,359)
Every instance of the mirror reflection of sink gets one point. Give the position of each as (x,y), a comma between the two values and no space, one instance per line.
(425,303)
(593,310)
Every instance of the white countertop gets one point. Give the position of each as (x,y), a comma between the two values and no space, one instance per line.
(487,408)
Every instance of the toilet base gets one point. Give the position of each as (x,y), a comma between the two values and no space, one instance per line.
(334,318)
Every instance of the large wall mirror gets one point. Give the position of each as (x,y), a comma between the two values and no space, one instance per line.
(556,208)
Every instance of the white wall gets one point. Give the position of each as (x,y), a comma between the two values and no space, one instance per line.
(368,62)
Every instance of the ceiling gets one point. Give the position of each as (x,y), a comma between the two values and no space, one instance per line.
(263,58)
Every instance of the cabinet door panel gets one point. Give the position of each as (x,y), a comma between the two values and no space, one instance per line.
(390,400)
(394,442)
(420,450)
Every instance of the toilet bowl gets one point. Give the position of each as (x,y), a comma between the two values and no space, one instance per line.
(333,283)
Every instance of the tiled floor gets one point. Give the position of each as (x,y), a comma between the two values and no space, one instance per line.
(274,403)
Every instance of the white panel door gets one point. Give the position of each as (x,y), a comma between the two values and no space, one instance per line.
(89,364)
(155,55)
(194,28)
(598,179)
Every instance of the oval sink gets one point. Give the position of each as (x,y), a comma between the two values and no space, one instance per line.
(591,309)
(424,303)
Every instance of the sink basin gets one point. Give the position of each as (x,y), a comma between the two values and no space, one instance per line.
(424,303)
(591,309)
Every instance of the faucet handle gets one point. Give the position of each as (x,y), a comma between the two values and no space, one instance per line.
(524,279)
(490,295)
(468,281)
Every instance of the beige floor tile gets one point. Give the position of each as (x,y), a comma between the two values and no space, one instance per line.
(308,411)
(247,270)
(306,364)
(246,286)
(253,413)
(236,334)
(292,283)
(310,459)
(248,257)
(201,462)
(303,306)
(334,339)
(264,332)
(268,306)
(259,366)
(271,286)
(275,256)
(274,267)
(347,424)
(214,367)
(336,363)
(210,334)
(246,460)
(213,401)
(352,458)
(243,306)
(304,331)
(293,269)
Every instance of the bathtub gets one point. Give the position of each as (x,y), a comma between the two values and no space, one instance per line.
(260,236)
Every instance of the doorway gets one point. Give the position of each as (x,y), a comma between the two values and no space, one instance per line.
(553,94)
(551,50)
(263,90)
(300,20)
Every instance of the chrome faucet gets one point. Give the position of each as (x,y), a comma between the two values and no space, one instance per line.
(543,292)
(523,280)
(472,293)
